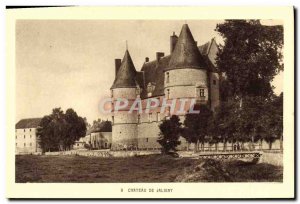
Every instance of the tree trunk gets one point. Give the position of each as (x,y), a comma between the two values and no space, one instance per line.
(224,146)
(252,143)
(187,146)
(270,145)
(281,142)
(260,145)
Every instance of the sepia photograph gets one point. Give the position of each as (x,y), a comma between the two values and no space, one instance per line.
(133,101)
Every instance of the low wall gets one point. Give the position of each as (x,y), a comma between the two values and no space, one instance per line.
(272,157)
(103,153)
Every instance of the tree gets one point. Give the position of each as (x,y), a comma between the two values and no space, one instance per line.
(250,57)
(196,126)
(273,120)
(170,130)
(225,122)
(76,128)
(58,131)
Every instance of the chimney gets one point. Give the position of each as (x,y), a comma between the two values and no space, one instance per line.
(117,66)
(159,55)
(196,43)
(173,41)
(147,59)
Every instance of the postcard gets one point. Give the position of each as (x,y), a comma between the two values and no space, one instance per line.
(150,102)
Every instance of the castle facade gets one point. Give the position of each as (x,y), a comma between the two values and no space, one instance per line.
(188,72)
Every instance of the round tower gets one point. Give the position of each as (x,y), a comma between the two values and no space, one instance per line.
(124,124)
(186,75)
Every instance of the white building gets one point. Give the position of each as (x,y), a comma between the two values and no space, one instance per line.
(27,141)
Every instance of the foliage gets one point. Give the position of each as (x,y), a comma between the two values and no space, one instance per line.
(59,130)
(251,56)
(196,125)
(170,130)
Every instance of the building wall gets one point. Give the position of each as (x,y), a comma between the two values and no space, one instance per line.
(27,141)
(124,135)
(124,127)
(148,133)
(100,140)
(214,90)
(183,82)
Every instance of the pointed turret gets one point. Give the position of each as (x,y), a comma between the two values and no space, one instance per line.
(125,78)
(186,53)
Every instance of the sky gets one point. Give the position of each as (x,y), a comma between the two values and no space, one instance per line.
(70,63)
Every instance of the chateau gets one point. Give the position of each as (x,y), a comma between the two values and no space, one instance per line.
(188,72)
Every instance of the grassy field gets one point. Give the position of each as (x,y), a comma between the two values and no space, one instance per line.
(154,168)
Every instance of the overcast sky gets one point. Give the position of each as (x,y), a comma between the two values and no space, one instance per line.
(70,64)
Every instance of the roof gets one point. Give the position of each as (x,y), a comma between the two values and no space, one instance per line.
(104,126)
(28,123)
(186,53)
(153,71)
(126,75)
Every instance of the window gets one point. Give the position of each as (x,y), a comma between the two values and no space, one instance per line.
(158,116)
(16,144)
(24,130)
(30,130)
(202,93)
(24,144)
(77,145)
(16,137)
(113,119)
(138,91)
(30,144)
(168,77)
(168,93)
(24,136)
(150,117)
(147,139)
(139,118)
(30,136)
(214,82)
(112,93)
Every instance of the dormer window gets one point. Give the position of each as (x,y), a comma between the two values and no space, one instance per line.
(150,89)
(138,91)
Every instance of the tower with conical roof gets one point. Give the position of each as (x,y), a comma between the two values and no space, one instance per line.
(186,75)
(124,128)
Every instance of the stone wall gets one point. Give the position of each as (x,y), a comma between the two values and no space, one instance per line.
(147,135)
(183,82)
(124,135)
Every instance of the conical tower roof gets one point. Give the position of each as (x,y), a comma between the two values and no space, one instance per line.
(186,53)
(126,75)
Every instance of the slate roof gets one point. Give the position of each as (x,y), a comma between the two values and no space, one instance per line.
(186,53)
(126,76)
(28,123)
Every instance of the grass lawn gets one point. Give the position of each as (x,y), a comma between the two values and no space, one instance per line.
(153,168)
